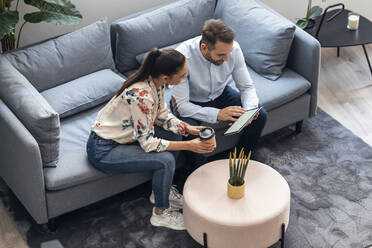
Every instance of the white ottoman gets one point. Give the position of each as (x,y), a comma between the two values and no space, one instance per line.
(259,219)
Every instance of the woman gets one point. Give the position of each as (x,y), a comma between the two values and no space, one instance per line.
(124,133)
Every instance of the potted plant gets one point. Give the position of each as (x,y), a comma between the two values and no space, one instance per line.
(238,167)
(53,11)
(311,14)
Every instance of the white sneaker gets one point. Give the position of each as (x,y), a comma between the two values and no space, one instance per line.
(170,218)
(175,198)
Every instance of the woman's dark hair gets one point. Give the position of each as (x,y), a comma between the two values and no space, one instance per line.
(165,62)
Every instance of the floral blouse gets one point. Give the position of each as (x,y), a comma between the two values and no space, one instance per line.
(131,117)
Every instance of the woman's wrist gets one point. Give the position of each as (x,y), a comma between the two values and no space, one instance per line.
(179,145)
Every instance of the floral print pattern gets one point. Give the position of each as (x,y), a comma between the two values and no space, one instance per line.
(132,116)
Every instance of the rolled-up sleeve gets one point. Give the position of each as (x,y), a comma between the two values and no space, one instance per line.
(169,122)
(140,106)
(181,94)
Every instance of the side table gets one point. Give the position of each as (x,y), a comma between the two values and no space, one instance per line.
(259,219)
(334,32)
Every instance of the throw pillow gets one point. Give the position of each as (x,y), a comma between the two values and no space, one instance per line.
(141,57)
(265,37)
(32,110)
(172,23)
(65,58)
(83,93)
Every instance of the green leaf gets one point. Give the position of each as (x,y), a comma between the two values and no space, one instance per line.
(302,23)
(58,12)
(8,20)
(315,11)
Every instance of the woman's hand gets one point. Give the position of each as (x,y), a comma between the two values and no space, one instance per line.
(198,146)
(194,130)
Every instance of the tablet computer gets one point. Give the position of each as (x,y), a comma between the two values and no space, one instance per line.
(243,121)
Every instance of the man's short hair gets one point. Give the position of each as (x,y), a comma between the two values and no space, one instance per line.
(216,30)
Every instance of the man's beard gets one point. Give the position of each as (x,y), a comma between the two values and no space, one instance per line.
(213,61)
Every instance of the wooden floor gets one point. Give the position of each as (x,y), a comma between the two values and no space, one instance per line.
(345,89)
(345,92)
(9,235)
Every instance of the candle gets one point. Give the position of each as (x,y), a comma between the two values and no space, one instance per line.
(353,21)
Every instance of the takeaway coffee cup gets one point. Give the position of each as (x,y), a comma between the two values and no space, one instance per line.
(207,134)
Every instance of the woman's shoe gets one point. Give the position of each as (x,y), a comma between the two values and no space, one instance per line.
(175,198)
(170,218)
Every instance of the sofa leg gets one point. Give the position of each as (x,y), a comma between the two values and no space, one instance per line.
(50,227)
(299,126)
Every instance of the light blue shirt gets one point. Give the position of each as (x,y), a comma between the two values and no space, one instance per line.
(206,81)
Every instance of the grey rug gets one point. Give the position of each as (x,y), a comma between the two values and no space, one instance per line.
(328,168)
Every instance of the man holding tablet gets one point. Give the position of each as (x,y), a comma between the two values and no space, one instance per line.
(214,60)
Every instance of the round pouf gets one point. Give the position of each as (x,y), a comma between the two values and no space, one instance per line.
(252,221)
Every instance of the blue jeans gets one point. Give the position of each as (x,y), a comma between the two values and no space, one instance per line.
(112,157)
(250,134)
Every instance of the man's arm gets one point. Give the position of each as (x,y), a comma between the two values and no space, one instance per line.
(182,105)
(244,82)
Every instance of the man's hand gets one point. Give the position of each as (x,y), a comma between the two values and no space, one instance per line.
(228,113)
(194,130)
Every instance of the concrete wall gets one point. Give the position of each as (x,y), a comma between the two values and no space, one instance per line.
(93,10)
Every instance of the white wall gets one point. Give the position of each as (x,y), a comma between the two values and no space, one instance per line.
(93,10)
(293,9)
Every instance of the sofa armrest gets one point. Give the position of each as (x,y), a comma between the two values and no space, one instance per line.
(32,110)
(20,164)
(304,58)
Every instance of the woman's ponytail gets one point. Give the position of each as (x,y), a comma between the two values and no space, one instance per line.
(165,62)
(143,72)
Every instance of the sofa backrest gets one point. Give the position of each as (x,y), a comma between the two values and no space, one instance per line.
(62,59)
(162,26)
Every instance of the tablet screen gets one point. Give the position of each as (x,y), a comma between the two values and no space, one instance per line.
(242,121)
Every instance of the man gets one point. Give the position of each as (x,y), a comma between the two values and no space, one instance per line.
(214,59)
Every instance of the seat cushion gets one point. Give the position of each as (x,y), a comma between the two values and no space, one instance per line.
(273,94)
(65,58)
(32,110)
(265,38)
(84,92)
(73,167)
(166,25)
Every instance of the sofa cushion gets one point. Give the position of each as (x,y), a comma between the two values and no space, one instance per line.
(142,56)
(167,25)
(84,92)
(32,110)
(65,58)
(74,166)
(273,94)
(264,37)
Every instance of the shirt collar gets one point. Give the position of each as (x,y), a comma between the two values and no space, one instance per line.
(199,51)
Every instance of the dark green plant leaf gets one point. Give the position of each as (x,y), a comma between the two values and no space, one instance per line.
(302,23)
(8,20)
(58,12)
(314,12)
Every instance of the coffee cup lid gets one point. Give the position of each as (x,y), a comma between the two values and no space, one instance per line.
(206,133)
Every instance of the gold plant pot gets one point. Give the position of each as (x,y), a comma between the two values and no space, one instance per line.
(235,192)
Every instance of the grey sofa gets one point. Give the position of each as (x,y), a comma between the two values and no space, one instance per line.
(51,92)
